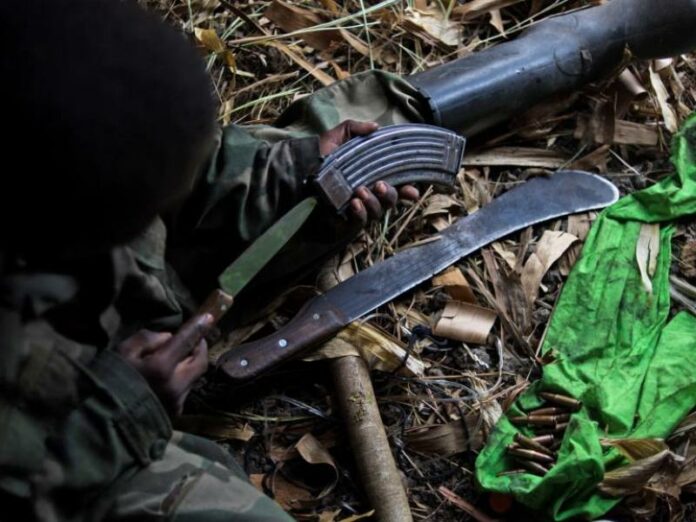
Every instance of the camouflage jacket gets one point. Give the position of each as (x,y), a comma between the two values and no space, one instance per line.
(74,417)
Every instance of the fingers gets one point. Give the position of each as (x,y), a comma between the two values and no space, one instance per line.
(371,203)
(142,344)
(334,138)
(386,194)
(409,192)
(359,128)
(193,367)
(357,209)
(185,375)
(183,343)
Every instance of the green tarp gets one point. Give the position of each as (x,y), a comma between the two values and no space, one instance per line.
(614,348)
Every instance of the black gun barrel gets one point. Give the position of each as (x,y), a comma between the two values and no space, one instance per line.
(553,57)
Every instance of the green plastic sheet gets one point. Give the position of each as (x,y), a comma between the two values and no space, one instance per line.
(614,348)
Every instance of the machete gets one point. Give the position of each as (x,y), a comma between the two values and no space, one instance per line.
(537,200)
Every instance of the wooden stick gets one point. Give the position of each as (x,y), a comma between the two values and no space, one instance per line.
(355,396)
(368,439)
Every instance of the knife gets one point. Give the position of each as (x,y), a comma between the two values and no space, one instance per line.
(238,274)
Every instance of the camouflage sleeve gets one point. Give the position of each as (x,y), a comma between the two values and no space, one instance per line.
(253,177)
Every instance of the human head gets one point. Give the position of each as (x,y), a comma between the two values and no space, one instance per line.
(108,115)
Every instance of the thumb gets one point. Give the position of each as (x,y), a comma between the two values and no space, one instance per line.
(360,128)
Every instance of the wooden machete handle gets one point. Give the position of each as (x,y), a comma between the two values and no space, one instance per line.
(315,322)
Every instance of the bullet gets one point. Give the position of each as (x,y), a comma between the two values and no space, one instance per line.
(520,420)
(560,428)
(547,411)
(532,444)
(531,455)
(560,419)
(511,472)
(561,400)
(541,420)
(545,440)
(534,467)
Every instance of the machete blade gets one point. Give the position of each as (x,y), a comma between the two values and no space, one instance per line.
(535,201)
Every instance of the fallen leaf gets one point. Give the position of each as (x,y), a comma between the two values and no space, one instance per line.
(330,5)
(448,439)
(634,477)
(324,78)
(597,159)
(439,204)
(631,82)
(456,285)
(668,115)
(465,322)
(432,26)
(292,19)
(474,189)
(647,248)
(209,39)
(288,495)
(439,223)
(380,350)
(509,257)
(551,246)
(355,42)
(662,63)
(637,449)
(312,451)
(476,8)
(631,133)
(497,21)
(516,157)
(578,225)
(329,516)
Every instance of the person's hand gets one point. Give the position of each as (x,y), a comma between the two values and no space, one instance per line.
(368,202)
(171,364)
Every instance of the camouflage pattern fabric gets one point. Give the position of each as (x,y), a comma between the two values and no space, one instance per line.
(82,436)
(195,480)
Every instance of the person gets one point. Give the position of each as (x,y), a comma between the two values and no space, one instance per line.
(115,176)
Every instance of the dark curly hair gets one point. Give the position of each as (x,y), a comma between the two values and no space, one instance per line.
(108,114)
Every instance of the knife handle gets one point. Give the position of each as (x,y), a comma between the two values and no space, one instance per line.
(216,304)
(317,321)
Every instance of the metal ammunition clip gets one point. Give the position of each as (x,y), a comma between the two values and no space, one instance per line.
(398,154)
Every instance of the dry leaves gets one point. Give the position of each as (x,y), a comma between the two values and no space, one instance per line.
(380,350)
(668,115)
(517,157)
(550,248)
(292,19)
(465,322)
(455,284)
(448,439)
(647,249)
(432,27)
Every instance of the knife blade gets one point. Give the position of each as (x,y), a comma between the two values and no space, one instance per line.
(238,274)
(535,201)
